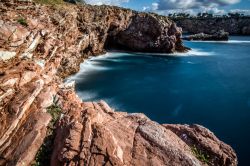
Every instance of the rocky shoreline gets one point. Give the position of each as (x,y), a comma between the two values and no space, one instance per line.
(218,36)
(234,26)
(43,121)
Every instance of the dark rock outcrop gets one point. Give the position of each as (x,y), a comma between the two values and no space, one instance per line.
(234,26)
(218,36)
(39,46)
(151,35)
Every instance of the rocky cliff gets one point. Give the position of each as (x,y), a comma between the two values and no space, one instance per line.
(234,26)
(43,121)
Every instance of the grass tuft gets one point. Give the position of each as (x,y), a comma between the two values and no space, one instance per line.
(22,21)
(44,154)
(200,155)
(50,2)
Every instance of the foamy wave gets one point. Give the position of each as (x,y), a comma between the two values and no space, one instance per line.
(197,52)
(87,95)
(194,52)
(238,41)
(229,41)
(108,55)
(88,65)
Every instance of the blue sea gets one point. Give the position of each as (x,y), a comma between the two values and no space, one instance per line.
(209,85)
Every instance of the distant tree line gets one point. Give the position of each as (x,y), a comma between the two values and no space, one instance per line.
(206,15)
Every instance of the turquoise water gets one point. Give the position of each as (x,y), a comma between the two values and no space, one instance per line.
(210,86)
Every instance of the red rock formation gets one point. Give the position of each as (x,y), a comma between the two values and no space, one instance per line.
(40,45)
(201,138)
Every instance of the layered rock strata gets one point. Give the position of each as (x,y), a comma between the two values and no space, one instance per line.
(39,46)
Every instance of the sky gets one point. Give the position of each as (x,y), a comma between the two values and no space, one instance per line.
(188,6)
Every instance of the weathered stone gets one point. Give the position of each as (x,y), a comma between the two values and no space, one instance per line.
(204,140)
(6,55)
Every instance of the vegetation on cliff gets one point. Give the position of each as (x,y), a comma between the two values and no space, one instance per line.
(50,2)
(43,155)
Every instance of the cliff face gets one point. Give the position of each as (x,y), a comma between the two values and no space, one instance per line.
(39,46)
(234,26)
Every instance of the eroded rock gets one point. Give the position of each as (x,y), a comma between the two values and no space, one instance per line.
(201,138)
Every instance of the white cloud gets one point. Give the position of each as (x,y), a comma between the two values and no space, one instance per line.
(155,6)
(172,11)
(146,8)
(191,7)
(212,10)
(106,2)
(187,4)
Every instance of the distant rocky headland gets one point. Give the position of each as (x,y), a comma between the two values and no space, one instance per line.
(217,36)
(234,24)
(44,122)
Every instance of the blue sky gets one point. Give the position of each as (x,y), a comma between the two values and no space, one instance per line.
(190,6)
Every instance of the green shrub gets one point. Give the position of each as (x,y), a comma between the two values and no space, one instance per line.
(44,153)
(200,155)
(22,21)
(50,2)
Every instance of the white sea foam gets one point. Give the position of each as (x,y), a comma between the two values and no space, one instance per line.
(189,62)
(89,65)
(87,95)
(238,41)
(229,41)
(92,63)
(194,52)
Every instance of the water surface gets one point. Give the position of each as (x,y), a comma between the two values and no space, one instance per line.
(210,86)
